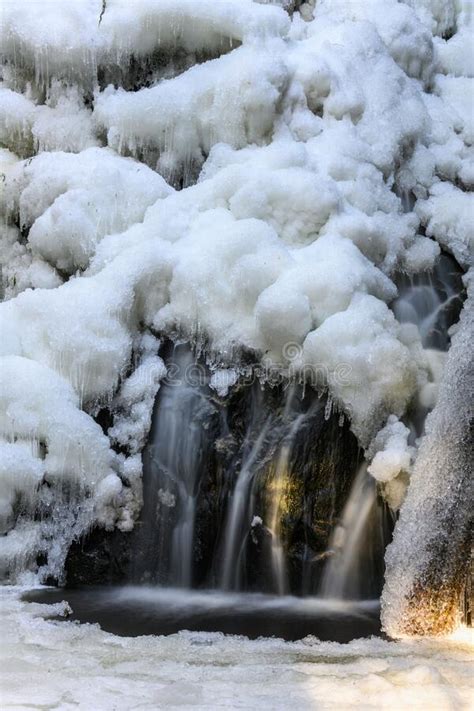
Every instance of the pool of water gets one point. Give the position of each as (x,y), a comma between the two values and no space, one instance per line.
(133,611)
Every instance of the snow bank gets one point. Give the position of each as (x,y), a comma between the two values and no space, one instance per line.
(391,459)
(45,440)
(133,405)
(358,348)
(447,214)
(63,123)
(390,451)
(71,42)
(68,202)
(209,670)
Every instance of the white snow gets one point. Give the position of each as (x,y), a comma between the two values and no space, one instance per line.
(390,451)
(391,459)
(54,40)
(222,380)
(448,213)
(66,665)
(63,123)
(70,201)
(173,125)
(45,439)
(134,402)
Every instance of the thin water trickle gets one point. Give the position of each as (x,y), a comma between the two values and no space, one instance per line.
(432,301)
(278,492)
(240,514)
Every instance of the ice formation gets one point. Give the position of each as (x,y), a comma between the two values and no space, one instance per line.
(294,139)
(427,559)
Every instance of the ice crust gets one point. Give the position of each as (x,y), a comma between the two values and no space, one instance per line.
(300,146)
(432,537)
(62,664)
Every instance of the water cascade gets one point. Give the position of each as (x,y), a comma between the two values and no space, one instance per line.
(278,494)
(230,500)
(240,508)
(268,532)
(432,302)
(173,463)
(264,489)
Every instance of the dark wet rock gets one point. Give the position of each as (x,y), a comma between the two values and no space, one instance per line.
(101,558)
(258,572)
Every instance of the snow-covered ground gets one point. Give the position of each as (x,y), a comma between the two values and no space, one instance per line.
(64,665)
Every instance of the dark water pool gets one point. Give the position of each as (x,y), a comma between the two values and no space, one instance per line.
(133,611)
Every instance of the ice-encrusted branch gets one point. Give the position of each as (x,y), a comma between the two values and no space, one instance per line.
(104,7)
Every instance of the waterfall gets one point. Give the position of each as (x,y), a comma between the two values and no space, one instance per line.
(267,463)
(240,510)
(232,485)
(263,489)
(279,483)
(356,543)
(173,464)
(432,301)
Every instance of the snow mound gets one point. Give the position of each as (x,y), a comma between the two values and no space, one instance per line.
(174,124)
(390,451)
(46,440)
(447,214)
(62,123)
(68,202)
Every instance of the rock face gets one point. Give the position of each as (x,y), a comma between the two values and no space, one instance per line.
(428,559)
(101,558)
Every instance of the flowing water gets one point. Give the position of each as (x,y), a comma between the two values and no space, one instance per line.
(240,507)
(357,543)
(142,610)
(172,464)
(229,495)
(432,301)
(280,478)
